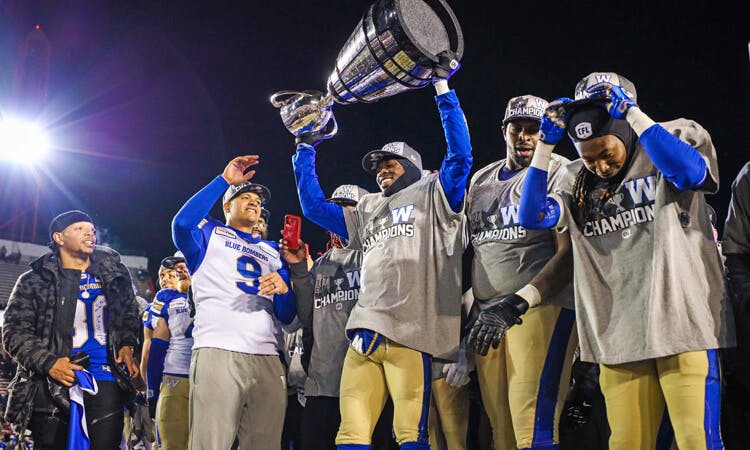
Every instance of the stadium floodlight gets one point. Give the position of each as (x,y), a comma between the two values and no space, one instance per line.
(22,141)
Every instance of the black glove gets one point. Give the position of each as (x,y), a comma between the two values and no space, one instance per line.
(471,319)
(585,383)
(578,414)
(316,137)
(494,321)
(60,396)
(446,66)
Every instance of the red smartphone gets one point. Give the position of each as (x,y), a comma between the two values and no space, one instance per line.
(292,229)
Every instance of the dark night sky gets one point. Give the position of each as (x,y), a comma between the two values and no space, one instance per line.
(149,100)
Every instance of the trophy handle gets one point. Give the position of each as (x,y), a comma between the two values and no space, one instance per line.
(281,98)
(333,129)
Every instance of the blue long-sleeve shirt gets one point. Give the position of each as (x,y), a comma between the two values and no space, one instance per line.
(190,240)
(678,161)
(453,174)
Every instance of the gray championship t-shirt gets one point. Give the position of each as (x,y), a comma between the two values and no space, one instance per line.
(737,230)
(325,297)
(506,255)
(411,270)
(648,278)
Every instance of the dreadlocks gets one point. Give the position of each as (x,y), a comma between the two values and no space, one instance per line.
(590,192)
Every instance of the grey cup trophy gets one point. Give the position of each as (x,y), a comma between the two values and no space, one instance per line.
(392,49)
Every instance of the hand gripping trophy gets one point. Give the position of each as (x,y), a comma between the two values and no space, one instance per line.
(393,49)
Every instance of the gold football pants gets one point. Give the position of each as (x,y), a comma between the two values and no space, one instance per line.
(638,396)
(392,369)
(449,416)
(172,421)
(525,380)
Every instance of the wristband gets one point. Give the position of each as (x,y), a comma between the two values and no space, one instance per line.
(542,156)
(638,120)
(441,87)
(530,294)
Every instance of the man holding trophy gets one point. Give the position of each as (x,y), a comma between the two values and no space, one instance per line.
(412,233)
(407,312)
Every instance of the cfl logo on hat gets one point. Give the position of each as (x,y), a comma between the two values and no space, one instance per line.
(583,130)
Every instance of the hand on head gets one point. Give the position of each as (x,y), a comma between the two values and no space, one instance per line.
(615,100)
(554,121)
(234,172)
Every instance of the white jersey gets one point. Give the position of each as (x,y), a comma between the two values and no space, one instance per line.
(230,314)
(172,307)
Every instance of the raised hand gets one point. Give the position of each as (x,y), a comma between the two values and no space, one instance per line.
(316,137)
(614,99)
(554,121)
(446,66)
(234,172)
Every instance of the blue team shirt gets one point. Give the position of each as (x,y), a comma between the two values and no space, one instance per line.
(90,326)
(192,231)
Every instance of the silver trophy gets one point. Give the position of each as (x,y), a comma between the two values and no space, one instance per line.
(392,49)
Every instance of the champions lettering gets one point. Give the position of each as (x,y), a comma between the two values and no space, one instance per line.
(619,221)
(526,111)
(337,297)
(502,234)
(509,231)
(245,250)
(402,229)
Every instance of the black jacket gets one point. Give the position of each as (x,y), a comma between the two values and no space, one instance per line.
(29,323)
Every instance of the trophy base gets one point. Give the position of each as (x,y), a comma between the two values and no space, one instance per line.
(393,49)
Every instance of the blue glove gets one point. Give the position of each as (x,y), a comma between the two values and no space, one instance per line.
(616,101)
(363,341)
(446,66)
(554,121)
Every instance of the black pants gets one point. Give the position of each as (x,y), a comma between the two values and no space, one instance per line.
(290,434)
(320,423)
(321,419)
(104,419)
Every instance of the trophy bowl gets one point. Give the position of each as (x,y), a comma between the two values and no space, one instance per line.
(305,111)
